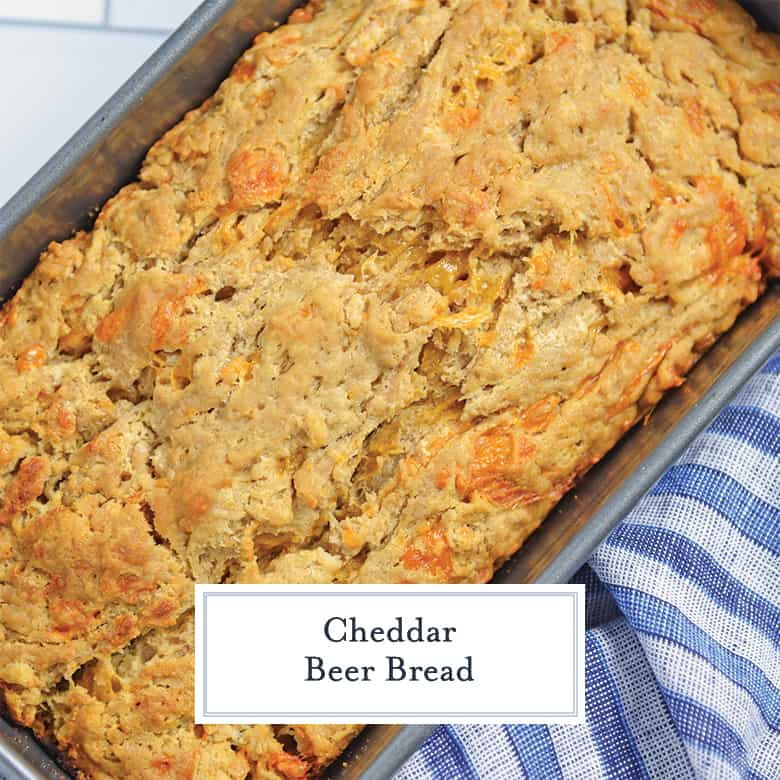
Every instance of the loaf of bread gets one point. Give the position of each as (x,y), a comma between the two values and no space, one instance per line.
(365,316)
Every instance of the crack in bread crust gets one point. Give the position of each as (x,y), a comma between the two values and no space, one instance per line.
(367,314)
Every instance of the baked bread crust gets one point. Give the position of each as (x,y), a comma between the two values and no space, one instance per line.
(365,316)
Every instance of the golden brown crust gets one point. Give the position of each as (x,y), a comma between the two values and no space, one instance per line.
(368,313)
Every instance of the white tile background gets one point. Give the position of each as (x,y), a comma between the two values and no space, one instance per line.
(59,61)
(76,11)
(162,14)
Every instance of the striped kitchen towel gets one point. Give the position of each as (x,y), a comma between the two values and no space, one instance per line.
(683,637)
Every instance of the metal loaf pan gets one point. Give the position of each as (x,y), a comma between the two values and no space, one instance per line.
(105,154)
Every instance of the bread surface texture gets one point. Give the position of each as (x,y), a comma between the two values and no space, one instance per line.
(365,316)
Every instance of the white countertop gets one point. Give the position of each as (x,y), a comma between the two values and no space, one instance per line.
(60,60)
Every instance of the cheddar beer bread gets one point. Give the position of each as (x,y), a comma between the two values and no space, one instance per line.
(365,316)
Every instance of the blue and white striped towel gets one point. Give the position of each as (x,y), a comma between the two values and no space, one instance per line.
(683,638)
